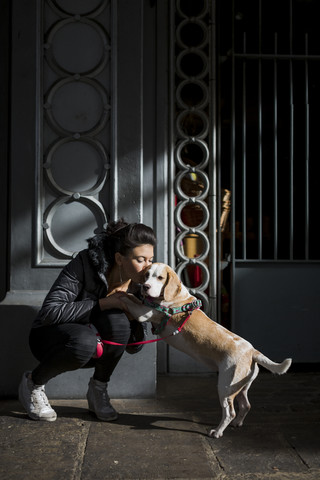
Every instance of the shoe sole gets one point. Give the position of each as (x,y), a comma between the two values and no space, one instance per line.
(33,416)
(42,419)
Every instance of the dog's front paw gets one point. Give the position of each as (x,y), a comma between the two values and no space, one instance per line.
(215,433)
(145,317)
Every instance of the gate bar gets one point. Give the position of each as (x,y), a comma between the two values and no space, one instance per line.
(291,138)
(271,56)
(307,152)
(244,155)
(260,141)
(275,150)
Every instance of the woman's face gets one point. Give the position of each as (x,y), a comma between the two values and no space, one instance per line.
(137,260)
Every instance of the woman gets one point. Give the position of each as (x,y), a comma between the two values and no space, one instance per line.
(62,337)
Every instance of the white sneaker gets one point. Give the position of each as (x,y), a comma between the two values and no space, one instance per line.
(34,400)
(99,401)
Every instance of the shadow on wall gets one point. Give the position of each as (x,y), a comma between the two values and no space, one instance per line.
(16,321)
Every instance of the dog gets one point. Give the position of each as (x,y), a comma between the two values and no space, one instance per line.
(235,359)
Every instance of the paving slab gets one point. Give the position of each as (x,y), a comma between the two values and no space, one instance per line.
(147,447)
(166,437)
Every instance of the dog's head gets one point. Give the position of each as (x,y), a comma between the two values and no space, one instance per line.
(161,282)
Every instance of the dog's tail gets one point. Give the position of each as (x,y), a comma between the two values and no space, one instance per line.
(265,362)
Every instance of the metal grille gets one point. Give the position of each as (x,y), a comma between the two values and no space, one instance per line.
(74,129)
(270,99)
(193,169)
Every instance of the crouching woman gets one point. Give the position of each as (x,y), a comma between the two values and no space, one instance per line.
(62,337)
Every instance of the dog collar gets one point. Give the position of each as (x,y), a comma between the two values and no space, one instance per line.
(160,308)
(169,311)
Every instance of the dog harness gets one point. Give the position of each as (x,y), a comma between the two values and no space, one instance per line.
(169,311)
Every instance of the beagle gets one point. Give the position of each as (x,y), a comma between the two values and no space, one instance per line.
(234,358)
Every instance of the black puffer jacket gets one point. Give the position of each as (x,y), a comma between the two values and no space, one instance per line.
(74,295)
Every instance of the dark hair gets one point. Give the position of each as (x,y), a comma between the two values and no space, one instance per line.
(119,236)
(122,237)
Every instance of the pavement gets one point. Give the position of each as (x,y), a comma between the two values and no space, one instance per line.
(166,437)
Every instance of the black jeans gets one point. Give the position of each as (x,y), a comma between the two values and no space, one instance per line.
(69,346)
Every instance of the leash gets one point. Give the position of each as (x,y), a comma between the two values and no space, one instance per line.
(189,307)
(167,311)
(178,330)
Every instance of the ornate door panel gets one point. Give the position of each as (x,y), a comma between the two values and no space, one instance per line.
(76,156)
(75,125)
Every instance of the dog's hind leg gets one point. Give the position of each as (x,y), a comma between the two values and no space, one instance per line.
(243,401)
(228,414)
(226,395)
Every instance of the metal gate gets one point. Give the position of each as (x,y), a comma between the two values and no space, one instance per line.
(245,100)
(270,100)
(269,104)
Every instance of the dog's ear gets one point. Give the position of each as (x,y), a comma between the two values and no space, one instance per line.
(172,286)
